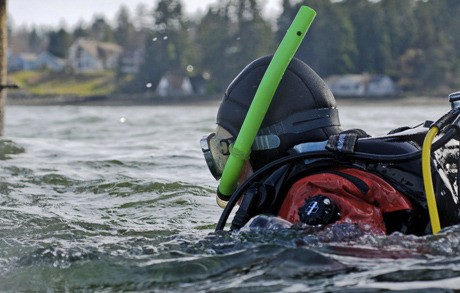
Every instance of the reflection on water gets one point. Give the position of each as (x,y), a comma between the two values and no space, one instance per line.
(91,201)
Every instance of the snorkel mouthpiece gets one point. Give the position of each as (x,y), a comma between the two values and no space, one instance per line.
(262,99)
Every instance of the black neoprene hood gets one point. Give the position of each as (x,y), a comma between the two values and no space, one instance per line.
(300,92)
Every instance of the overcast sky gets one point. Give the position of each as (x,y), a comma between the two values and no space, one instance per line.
(54,12)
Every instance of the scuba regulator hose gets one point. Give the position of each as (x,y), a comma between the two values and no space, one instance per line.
(239,154)
(426,161)
(428,180)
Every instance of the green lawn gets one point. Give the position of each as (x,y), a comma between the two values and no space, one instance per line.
(59,83)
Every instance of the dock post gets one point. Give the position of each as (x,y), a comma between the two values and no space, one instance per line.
(3,64)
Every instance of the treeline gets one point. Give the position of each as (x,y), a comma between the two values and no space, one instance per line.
(415,42)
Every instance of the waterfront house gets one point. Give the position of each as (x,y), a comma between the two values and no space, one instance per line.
(21,61)
(358,85)
(30,61)
(174,85)
(90,56)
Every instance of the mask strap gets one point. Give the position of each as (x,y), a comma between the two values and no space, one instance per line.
(268,137)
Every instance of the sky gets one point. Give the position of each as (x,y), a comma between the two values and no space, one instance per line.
(55,12)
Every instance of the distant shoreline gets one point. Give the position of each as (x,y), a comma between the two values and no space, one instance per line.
(405,100)
(140,100)
(106,100)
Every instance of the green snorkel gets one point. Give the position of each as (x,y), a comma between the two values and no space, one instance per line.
(262,99)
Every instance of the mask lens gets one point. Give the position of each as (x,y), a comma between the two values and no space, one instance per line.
(216,153)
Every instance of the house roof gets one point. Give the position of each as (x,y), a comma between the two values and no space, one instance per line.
(354,78)
(96,48)
(48,57)
(26,56)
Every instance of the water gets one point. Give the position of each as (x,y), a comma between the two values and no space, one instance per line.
(120,199)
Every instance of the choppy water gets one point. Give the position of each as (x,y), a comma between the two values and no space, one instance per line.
(120,199)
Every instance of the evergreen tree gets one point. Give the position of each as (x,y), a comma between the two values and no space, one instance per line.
(35,41)
(212,40)
(371,40)
(285,19)
(445,50)
(230,36)
(399,25)
(430,64)
(125,33)
(254,35)
(80,31)
(329,47)
(142,18)
(166,45)
(101,31)
(59,43)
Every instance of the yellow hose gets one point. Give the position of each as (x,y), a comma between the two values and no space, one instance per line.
(428,181)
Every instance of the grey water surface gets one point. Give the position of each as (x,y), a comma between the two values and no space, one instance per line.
(120,199)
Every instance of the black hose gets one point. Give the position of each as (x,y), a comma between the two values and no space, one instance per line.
(262,171)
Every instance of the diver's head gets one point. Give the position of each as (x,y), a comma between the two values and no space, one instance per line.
(303,109)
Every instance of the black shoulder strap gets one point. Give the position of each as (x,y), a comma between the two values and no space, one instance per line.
(267,195)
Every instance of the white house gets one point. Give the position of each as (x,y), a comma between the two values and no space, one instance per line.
(89,56)
(174,85)
(381,85)
(347,85)
(362,85)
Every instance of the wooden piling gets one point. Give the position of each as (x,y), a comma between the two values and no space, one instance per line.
(3,64)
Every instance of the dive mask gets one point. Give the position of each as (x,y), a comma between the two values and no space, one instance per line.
(216,149)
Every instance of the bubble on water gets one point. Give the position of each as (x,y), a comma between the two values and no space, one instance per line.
(148,85)
(206,75)
(190,68)
(122,119)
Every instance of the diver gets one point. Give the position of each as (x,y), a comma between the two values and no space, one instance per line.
(380,196)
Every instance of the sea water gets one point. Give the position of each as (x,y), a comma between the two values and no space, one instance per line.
(119,198)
